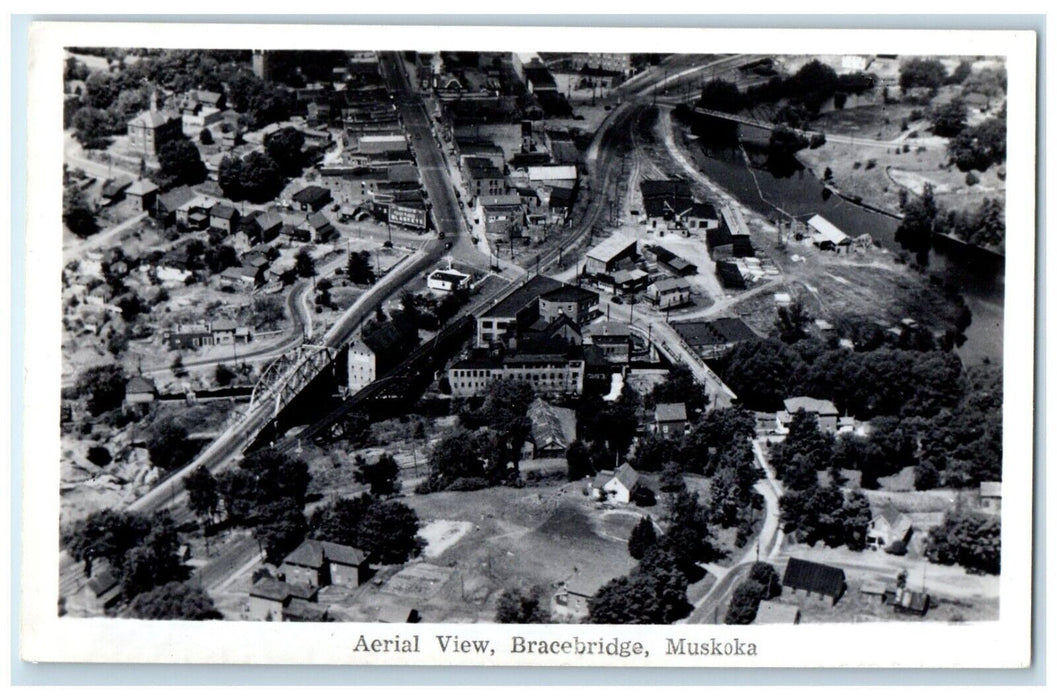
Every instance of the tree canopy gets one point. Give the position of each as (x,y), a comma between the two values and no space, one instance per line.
(519,607)
(174,601)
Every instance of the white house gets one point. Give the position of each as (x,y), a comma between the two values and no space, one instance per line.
(887,527)
(615,486)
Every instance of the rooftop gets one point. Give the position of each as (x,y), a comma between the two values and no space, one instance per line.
(773,612)
(611,248)
(514,302)
(315,553)
(669,411)
(722,331)
(822,407)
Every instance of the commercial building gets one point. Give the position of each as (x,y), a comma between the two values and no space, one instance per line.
(710,339)
(549,374)
(518,308)
(568,300)
(607,255)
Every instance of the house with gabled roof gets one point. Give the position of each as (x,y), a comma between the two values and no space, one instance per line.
(319,563)
(669,419)
(615,486)
(823,410)
(991,496)
(269,597)
(888,527)
(802,576)
(140,390)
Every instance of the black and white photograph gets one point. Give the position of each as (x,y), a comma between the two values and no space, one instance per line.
(518,355)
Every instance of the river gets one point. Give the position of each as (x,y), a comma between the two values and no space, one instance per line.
(796,192)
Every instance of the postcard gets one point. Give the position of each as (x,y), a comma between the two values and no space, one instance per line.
(529,346)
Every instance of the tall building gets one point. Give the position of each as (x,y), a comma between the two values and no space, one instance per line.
(261,67)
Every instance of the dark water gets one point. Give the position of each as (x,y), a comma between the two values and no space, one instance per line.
(790,189)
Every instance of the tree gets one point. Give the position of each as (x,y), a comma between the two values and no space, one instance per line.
(642,538)
(744,603)
(155,560)
(654,593)
(680,386)
(518,607)
(203,494)
(278,475)
(105,534)
(99,455)
(281,526)
(359,269)
(177,367)
(970,539)
(949,120)
(205,137)
(792,322)
(454,457)
(721,96)
(383,476)
(672,478)
(92,128)
(578,457)
(766,575)
(168,445)
(304,264)
(339,520)
(180,160)
(104,386)
(922,72)
(255,178)
(285,147)
(174,601)
(77,214)
(688,536)
(389,531)
(224,375)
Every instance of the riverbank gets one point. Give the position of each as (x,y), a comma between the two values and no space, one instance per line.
(875,283)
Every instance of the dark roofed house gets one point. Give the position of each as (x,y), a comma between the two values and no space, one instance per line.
(320,227)
(298,610)
(669,419)
(811,577)
(312,198)
(165,205)
(317,563)
(224,217)
(269,597)
(140,390)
